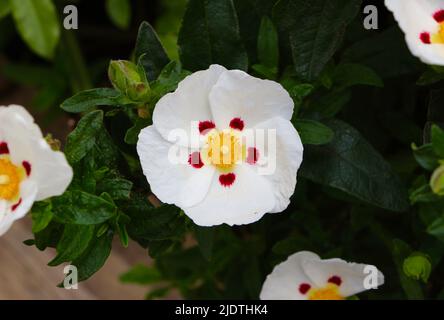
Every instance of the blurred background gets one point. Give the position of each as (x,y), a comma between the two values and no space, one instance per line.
(42,64)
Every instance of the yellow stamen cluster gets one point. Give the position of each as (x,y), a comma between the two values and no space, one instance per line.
(329,292)
(439,36)
(10,178)
(223,149)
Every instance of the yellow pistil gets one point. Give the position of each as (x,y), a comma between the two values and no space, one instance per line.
(223,149)
(10,178)
(438,37)
(329,292)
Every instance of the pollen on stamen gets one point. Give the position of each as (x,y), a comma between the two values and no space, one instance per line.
(4,148)
(304,288)
(335,280)
(439,16)
(227,180)
(237,123)
(205,126)
(425,38)
(252,156)
(14,207)
(27,167)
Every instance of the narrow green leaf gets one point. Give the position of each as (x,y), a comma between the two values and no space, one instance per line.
(268,45)
(42,215)
(86,100)
(315,29)
(74,241)
(79,207)
(349,163)
(95,257)
(150,52)
(351,74)
(83,138)
(210,35)
(38,25)
(119,11)
(438,140)
(117,188)
(426,157)
(313,132)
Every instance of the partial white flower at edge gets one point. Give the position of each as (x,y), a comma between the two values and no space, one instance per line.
(29,169)
(422,21)
(222,104)
(305,276)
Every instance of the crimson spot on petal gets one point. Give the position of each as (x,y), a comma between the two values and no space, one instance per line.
(335,280)
(4,148)
(27,167)
(425,37)
(252,155)
(237,123)
(14,207)
(304,287)
(195,160)
(227,180)
(204,126)
(439,16)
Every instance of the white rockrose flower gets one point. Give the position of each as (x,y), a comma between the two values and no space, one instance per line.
(304,276)
(423,24)
(239,152)
(29,169)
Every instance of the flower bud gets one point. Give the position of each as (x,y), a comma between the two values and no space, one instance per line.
(437,181)
(129,79)
(417,266)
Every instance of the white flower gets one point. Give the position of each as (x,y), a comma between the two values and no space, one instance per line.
(304,276)
(29,169)
(222,107)
(423,24)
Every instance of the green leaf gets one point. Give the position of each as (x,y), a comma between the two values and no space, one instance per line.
(132,135)
(268,45)
(149,51)
(95,256)
(119,11)
(205,239)
(426,157)
(349,163)
(38,25)
(438,140)
(74,242)
(210,35)
(79,207)
(83,138)
(141,274)
(42,215)
(314,29)
(313,132)
(86,100)
(5,8)
(351,74)
(436,228)
(117,188)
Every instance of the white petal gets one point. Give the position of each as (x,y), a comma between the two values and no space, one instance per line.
(284,154)
(28,192)
(244,202)
(239,95)
(284,281)
(49,169)
(189,103)
(415,17)
(172,183)
(352,274)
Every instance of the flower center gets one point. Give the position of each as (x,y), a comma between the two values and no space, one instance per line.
(438,37)
(10,178)
(223,149)
(329,292)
